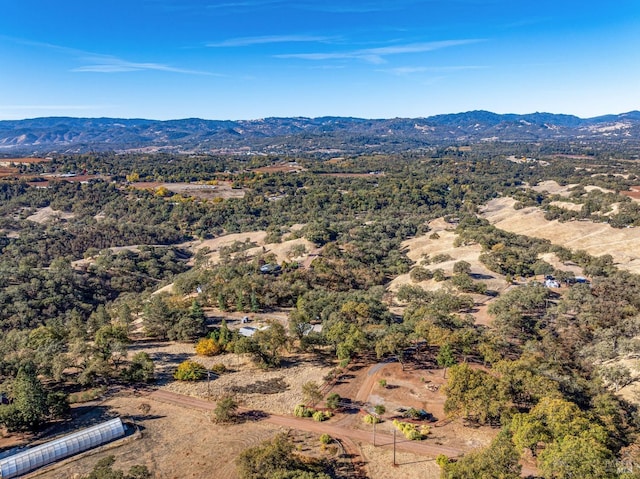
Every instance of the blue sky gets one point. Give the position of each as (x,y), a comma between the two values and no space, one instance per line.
(247,59)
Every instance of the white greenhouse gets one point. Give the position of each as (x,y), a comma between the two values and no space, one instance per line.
(49,452)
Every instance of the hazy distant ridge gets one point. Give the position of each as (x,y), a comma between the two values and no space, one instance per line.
(277,135)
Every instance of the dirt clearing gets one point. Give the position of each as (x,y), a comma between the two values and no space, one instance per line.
(177,443)
(46,214)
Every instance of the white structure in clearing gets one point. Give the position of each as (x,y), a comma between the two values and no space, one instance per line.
(49,452)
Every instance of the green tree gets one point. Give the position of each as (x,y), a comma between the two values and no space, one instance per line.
(445,358)
(226,409)
(333,401)
(158,317)
(311,392)
(140,370)
(462,267)
(576,456)
(474,394)
(498,461)
(29,408)
(276,459)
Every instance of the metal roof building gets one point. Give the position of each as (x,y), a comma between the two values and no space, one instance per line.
(49,452)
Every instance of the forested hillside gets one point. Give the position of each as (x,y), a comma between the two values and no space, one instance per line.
(77,284)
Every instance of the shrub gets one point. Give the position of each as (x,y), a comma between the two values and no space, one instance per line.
(442,461)
(207,347)
(383,383)
(420,274)
(140,370)
(380,409)
(333,401)
(321,416)
(411,431)
(441,258)
(438,275)
(303,411)
(190,371)
(226,409)
(325,439)
(371,419)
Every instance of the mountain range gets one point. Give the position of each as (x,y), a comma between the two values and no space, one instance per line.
(325,135)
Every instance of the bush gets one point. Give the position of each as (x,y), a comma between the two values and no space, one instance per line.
(190,371)
(380,409)
(140,370)
(371,419)
(303,411)
(438,275)
(420,274)
(333,401)
(208,347)
(441,258)
(325,439)
(321,416)
(411,431)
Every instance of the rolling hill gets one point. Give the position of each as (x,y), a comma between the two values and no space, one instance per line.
(328,135)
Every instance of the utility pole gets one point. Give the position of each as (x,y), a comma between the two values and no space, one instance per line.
(375,419)
(394,447)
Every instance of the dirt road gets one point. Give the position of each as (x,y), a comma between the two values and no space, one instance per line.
(382,440)
(346,434)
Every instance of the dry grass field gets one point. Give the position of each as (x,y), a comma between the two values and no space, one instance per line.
(177,443)
(197,190)
(595,238)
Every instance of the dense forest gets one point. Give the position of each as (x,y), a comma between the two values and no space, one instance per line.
(543,372)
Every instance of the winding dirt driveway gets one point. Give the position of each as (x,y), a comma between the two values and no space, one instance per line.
(345,434)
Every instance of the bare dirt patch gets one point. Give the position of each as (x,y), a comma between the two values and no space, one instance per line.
(22,161)
(280,168)
(567,205)
(552,187)
(633,193)
(177,443)
(222,189)
(595,238)
(46,214)
(419,386)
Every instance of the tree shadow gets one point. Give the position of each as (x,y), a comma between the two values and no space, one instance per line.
(253,415)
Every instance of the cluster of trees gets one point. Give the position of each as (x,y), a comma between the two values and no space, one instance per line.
(60,323)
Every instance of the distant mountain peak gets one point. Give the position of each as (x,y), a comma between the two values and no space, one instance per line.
(280,135)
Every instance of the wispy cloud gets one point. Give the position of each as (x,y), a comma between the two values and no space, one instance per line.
(110,64)
(360,7)
(244,4)
(377,55)
(261,40)
(403,71)
(101,63)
